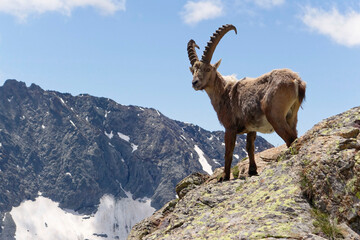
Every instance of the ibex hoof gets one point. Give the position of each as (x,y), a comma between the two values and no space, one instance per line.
(253,173)
(223,178)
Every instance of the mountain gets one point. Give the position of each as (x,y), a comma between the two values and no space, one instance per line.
(92,162)
(309,191)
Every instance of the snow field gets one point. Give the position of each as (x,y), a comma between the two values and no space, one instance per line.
(42,219)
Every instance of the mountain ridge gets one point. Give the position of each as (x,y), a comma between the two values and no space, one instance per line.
(76,149)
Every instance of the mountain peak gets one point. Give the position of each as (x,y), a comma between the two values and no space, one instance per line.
(14,83)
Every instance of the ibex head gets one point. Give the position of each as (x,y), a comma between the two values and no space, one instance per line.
(202,70)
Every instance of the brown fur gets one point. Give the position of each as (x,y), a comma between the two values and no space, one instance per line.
(265,104)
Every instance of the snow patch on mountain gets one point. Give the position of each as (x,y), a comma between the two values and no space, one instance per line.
(123,136)
(127,138)
(72,123)
(204,163)
(109,135)
(134,147)
(43,219)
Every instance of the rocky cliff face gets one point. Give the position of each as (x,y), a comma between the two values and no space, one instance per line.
(76,149)
(309,191)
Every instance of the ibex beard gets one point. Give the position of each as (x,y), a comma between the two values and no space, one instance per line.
(265,104)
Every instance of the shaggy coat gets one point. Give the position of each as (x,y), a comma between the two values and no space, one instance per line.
(264,104)
(240,104)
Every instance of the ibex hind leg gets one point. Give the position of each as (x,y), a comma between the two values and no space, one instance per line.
(282,128)
(250,148)
(278,117)
(291,116)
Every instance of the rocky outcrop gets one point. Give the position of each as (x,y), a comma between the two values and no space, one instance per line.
(309,191)
(76,149)
(330,159)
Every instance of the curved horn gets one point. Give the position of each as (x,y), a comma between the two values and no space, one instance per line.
(214,40)
(192,52)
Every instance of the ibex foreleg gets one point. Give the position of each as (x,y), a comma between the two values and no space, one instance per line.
(230,140)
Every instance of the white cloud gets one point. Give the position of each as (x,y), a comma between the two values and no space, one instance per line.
(195,12)
(342,28)
(23,8)
(268,3)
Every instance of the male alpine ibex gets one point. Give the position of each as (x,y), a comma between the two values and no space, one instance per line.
(264,104)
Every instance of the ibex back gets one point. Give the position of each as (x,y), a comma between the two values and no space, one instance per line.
(264,104)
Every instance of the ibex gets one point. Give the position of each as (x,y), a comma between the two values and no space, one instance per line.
(264,104)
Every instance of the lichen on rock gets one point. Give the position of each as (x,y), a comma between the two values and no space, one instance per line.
(309,191)
(189,183)
(331,169)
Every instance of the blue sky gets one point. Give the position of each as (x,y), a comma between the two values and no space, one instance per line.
(134,51)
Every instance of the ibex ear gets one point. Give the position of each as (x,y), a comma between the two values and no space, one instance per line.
(216,65)
(191,70)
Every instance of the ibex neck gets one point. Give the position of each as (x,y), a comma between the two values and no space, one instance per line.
(216,91)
